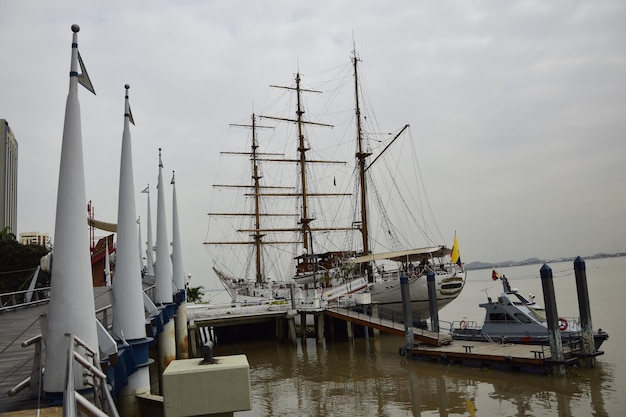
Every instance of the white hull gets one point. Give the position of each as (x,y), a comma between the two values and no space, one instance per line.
(387,293)
(244,291)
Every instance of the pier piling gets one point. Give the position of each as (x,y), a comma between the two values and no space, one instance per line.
(406,310)
(588,347)
(556,344)
(432,301)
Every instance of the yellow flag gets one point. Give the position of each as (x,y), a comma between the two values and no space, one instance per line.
(455,257)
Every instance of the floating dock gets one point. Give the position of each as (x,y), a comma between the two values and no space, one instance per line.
(507,356)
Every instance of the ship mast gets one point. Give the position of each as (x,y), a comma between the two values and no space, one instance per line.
(258,191)
(305,217)
(257,216)
(361,156)
(256,233)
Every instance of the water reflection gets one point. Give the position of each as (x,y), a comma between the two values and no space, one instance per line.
(369,378)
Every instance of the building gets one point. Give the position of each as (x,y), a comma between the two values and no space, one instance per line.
(35,238)
(8,178)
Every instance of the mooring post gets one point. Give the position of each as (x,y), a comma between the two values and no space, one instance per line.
(406,310)
(432,301)
(292,295)
(584,308)
(552,316)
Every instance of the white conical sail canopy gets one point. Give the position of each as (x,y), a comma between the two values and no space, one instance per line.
(71,308)
(128,317)
(150,248)
(163,271)
(177,251)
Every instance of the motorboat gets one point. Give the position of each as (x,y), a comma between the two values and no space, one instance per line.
(513,318)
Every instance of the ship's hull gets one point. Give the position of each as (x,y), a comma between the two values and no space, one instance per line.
(448,285)
(520,335)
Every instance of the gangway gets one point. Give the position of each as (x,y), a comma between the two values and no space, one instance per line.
(388,326)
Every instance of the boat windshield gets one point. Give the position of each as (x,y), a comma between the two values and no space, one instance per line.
(518,299)
(539,313)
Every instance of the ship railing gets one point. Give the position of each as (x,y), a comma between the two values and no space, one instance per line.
(24,298)
(467,325)
(390,317)
(74,403)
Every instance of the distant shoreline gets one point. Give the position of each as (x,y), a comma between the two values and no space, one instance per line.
(534,261)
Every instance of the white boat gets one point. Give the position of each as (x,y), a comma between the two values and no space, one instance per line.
(514,318)
(348,265)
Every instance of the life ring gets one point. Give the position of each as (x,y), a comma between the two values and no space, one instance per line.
(563,324)
(402,352)
(463,325)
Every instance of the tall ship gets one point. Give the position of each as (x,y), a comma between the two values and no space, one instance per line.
(331,243)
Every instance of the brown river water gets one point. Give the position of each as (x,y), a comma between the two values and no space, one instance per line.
(367,377)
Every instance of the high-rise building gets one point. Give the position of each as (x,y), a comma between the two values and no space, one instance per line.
(8,178)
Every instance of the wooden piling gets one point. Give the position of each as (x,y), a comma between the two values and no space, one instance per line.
(552,317)
(406,310)
(588,344)
(432,301)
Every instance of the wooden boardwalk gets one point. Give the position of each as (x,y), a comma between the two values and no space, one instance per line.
(17,326)
(388,326)
(16,361)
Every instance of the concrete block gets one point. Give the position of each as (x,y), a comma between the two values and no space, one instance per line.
(191,388)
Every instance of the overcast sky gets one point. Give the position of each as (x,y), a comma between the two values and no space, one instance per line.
(518,107)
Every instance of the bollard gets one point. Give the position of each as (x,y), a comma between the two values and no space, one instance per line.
(207,353)
(554,334)
(432,301)
(406,310)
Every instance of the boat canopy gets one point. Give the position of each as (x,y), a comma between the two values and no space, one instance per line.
(410,255)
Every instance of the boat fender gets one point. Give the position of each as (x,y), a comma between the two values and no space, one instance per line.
(563,324)
(463,325)
(401,352)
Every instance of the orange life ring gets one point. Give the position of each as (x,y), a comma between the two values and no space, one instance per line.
(563,324)
(463,325)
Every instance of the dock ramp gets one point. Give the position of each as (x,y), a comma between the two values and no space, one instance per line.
(388,326)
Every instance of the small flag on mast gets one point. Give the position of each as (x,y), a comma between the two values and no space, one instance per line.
(455,257)
(83,77)
(130,116)
(494,274)
(146,190)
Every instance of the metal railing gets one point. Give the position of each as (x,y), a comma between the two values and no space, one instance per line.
(24,298)
(73,401)
(386,317)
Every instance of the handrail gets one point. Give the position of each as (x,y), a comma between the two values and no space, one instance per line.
(391,317)
(16,299)
(72,400)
